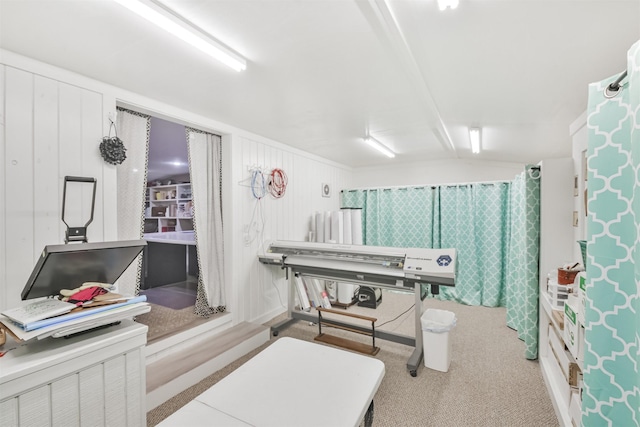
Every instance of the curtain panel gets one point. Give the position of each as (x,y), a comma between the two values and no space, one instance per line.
(133,129)
(206,189)
(522,260)
(493,226)
(611,393)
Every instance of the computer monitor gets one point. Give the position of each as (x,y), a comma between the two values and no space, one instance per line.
(69,266)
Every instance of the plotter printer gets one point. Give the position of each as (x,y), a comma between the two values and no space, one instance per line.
(408,269)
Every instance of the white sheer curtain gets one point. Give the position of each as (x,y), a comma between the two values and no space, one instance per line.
(205,164)
(133,129)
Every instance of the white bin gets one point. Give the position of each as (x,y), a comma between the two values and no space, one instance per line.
(436,326)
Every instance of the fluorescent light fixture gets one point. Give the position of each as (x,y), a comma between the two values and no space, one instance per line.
(172,23)
(474,137)
(443,4)
(374,143)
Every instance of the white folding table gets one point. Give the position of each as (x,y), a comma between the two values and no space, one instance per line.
(290,383)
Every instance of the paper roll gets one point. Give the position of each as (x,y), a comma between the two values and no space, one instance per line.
(346,219)
(336,226)
(327,226)
(356,226)
(345,292)
(320,227)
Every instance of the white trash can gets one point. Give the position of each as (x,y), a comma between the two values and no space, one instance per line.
(436,344)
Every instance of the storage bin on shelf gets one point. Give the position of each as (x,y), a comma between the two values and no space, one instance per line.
(558,294)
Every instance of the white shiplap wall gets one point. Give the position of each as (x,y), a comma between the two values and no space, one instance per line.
(51,130)
(52,122)
(287,218)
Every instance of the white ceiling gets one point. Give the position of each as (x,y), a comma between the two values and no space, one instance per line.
(321,74)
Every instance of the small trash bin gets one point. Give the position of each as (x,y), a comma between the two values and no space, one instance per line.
(436,325)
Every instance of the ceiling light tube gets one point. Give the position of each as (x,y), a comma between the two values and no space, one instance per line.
(443,4)
(374,143)
(474,137)
(172,23)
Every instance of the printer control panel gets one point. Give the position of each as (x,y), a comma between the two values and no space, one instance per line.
(430,262)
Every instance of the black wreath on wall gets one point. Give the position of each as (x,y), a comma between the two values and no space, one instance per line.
(112,148)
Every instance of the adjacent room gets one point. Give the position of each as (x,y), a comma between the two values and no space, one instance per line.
(328,213)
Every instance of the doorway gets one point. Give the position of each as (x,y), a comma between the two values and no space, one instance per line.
(169,277)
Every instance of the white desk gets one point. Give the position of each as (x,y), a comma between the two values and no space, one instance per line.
(290,383)
(97,378)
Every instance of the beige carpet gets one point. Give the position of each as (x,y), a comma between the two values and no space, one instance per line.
(489,383)
(164,322)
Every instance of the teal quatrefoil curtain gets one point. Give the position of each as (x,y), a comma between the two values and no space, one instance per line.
(476,219)
(611,395)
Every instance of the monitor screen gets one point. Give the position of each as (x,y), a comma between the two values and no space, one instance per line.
(69,266)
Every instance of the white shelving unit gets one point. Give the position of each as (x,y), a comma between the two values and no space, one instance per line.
(168,208)
(557,242)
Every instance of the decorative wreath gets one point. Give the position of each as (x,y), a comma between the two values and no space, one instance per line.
(112,148)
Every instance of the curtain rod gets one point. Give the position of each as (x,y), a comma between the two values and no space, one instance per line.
(615,86)
(425,185)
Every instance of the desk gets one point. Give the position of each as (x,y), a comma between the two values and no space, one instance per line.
(290,383)
(97,378)
(169,258)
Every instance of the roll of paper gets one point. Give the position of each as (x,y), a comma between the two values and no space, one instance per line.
(320,227)
(345,292)
(327,226)
(346,219)
(356,226)
(336,226)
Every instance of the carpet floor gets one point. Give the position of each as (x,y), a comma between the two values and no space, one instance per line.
(489,382)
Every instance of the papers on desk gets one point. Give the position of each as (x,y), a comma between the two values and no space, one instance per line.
(38,310)
(78,321)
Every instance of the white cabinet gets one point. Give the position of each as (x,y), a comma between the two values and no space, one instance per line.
(168,208)
(96,378)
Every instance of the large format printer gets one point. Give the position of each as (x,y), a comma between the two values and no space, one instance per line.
(404,269)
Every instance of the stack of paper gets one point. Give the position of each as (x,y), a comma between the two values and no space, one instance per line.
(52,317)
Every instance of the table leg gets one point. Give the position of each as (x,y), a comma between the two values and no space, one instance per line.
(368,416)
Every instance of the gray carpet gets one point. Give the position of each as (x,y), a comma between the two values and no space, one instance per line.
(489,383)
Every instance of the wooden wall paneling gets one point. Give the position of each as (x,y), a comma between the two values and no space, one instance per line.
(48,228)
(65,402)
(70,128)
(109,179)
(4,180)
(34,407)
(92,163)
(135,387)
(9,412)
(92,396)
(19,182)
(115,391)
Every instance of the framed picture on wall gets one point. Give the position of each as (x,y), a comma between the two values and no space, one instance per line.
(585,169)
(575,186)
(575,218)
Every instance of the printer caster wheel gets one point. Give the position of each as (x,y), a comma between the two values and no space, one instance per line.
(275,333)
(414,373)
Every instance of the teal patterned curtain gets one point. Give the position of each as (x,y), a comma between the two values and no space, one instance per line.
(495,266)
(470,218)
(473,219)
(398,217)
(611,393)
(523,248)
